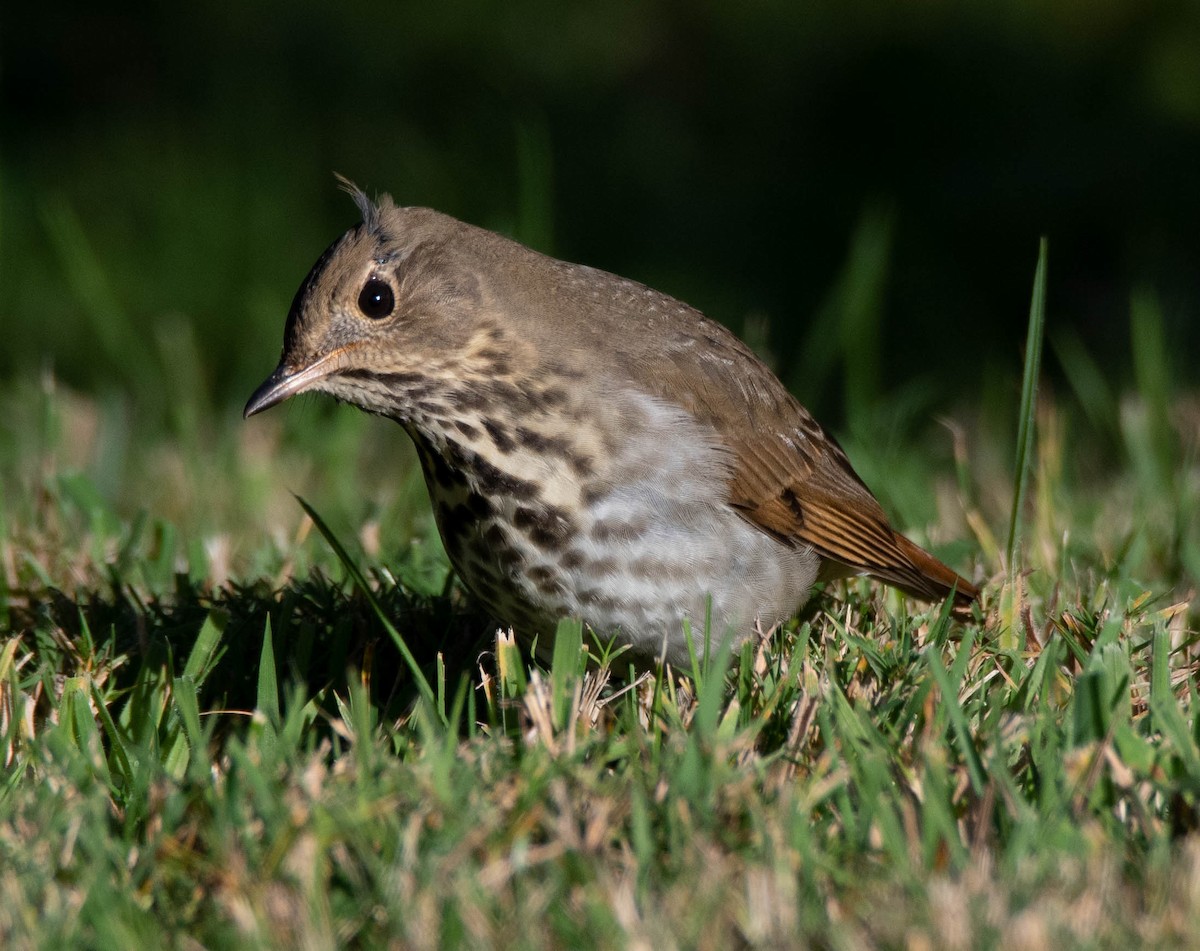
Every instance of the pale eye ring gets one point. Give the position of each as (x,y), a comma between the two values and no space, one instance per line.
(376,299)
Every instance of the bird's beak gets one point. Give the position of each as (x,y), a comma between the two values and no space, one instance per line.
(283,383)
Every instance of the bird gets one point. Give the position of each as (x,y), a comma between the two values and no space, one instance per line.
(593,448)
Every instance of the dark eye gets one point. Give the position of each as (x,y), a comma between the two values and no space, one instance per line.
(376,300)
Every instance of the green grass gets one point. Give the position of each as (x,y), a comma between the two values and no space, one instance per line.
(221,728)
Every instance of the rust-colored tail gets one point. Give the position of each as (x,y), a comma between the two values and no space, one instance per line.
(928,578)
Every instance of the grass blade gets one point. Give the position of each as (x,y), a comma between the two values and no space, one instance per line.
(268,685)
(360,582)
(1029,386)
(204,654)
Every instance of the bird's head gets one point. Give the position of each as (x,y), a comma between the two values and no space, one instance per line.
(392,305)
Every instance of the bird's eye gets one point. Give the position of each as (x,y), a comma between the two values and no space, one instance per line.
(376,299)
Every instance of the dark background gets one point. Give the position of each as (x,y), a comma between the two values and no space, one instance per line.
(166,170)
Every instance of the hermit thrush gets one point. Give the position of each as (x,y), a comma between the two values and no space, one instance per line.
(593,448)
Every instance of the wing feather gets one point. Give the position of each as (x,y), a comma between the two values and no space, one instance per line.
(790,478)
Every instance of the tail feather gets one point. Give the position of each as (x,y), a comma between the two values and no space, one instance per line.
(928,578)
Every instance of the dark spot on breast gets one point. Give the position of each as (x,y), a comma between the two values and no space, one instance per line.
(500,553)
(598,599)
(538,442)
(559,446)
(653,569)
(571,560)
(618,531)
(545,579)
(546,526)
(547,539)
(466,397)
(437,470)
(580,464)
(499,482)
(480,507)
(594,492)
(509,558)
(524,518)
(503,393)
(603,566)
(471,432)
(491,479)
(436,409)
(504,442)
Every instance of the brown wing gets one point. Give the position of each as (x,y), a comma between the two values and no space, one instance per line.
(804,490)
(790,477)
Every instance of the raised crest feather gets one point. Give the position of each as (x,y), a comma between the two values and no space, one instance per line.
(367,208)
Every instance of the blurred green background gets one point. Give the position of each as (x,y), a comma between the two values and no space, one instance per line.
(166,173)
